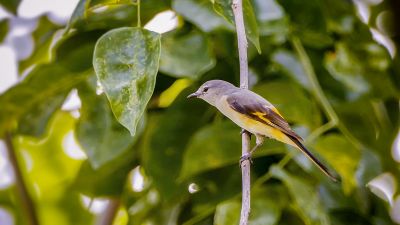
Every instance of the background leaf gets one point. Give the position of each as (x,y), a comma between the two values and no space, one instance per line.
(224,8)
(343,157)
(10,5)
(3,29)
(291,101)
(266,208)
(101,136)
(201,13)
(177,61)
(165,141)
(215,146)
(305,197)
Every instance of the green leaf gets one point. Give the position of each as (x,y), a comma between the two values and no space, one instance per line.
(215,146)
(312,30)
(35,122)
(79,14)
(94,3)
(38,91)
(165,140)
(109,180)
(227,213)
(267,203)
(48,169)
(53,167)
(3,29)
(101,136)
(47,37)
(108,14)
(365,172)
(186,56)
(201,13)
(290,65)
(342,156)
(368,124)
(126,64)
(305,196)
(362,68)
(45,86)
(10,5)
(266,207)
(291,101)
(344,67)
(271,17)
(224,8)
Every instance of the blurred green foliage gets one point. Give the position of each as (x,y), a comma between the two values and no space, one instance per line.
(314,60)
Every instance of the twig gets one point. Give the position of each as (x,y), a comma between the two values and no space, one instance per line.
(108,216)
(244,83)
(26,201)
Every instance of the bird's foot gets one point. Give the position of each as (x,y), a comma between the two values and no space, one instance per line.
(244,158)
(243,131)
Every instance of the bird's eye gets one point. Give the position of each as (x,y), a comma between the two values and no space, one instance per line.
(205,89)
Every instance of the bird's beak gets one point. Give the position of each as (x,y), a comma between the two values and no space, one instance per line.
(193,95)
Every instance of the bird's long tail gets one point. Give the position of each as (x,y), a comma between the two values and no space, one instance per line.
(321,166)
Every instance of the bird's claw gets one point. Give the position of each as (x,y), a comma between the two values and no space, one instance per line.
(244,158)
(243,131)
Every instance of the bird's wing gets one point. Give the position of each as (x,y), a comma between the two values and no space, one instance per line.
(257,108)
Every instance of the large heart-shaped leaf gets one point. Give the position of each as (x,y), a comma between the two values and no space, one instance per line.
(126,63)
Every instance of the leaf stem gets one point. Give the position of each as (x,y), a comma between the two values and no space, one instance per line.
(27,204)
(139,24)
(237,8)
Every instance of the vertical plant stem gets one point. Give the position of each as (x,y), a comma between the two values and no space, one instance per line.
(139,23)
(26,202)
(309,69)
(109,214)
(237,7)
(319,94)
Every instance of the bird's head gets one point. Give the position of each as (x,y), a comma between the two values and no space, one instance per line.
(212,90)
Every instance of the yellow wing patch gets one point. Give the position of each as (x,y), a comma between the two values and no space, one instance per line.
(261,115)
(276,111)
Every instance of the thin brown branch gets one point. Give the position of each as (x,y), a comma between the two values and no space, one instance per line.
(26,202)
(244,83)
(109,214)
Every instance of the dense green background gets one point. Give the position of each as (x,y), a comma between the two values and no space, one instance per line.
(315,60)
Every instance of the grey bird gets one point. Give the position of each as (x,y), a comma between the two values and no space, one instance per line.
(254,114)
